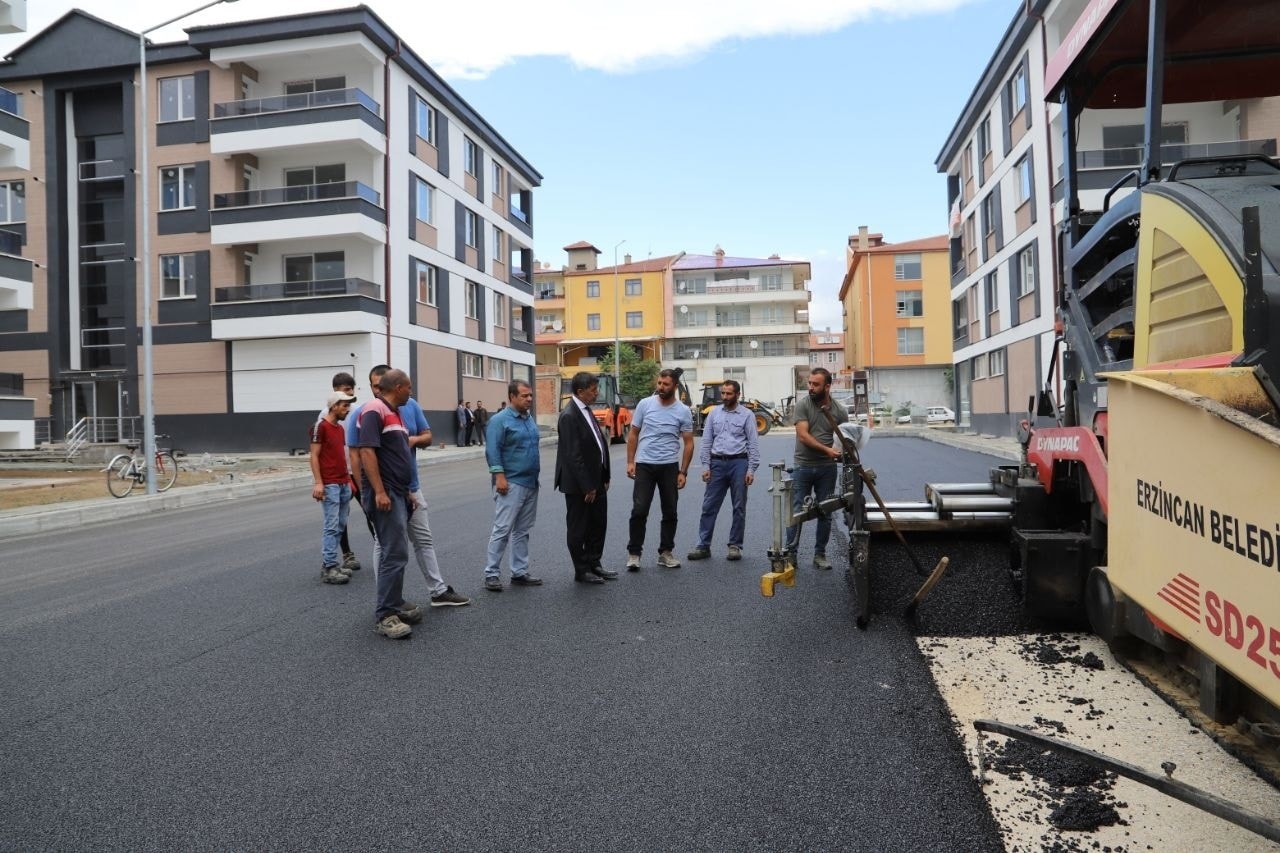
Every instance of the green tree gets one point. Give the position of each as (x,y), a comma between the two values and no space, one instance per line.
(637,375)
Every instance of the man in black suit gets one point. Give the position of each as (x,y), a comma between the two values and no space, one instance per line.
(582,473)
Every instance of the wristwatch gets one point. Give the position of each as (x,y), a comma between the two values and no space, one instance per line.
(684,473)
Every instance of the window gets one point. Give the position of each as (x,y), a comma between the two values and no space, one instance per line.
(691,285)
(910,341)
(593,289)
(517,317)
(177,98)
(177,187)
(692,318)
(831,358)
(471,157)
(497,244)
(498,369)
(522,372)
(772,348)
(995,362)
(1024,179)
(1026,271)
(321,266)
(1019,86)
(632,287)
(906,267)
(426,282)
(635,319)
(910,303)
(979,367)
(497,178)
(984,138)
(471,365)
(771,281)
(473,300)
(989,214)
(989,292)
(593,322)
(424,198)
(471,222)
(13,202)
(499,309)
(771,315)
(548,322)
(177,276)
(959,317)
(320,84)
(426,115)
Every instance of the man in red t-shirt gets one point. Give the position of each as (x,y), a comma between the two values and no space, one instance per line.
(331,483)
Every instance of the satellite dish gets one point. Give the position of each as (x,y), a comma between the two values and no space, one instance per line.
(755,344)
(684,309)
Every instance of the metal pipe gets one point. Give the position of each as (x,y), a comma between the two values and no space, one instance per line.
(932,489)
(974,503)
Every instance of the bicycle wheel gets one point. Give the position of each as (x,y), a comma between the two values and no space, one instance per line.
(166,470)
(120,479)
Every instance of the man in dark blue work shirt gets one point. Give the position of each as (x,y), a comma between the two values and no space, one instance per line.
(730,454)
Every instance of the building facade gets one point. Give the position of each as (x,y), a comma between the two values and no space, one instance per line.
(320,201)
(826,350)
(740,318)
(896,303)
(17,410)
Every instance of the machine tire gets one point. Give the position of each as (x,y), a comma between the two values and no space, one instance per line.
(763,423)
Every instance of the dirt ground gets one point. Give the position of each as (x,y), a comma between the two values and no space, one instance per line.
(39,485)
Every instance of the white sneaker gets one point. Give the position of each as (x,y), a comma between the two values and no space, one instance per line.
(633,562)
(667,560)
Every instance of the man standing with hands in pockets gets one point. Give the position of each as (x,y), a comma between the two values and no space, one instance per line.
(654,459)
(730,454)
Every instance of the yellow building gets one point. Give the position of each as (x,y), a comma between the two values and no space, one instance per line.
(897,309)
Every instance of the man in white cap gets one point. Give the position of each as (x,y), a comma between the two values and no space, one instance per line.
(331,483)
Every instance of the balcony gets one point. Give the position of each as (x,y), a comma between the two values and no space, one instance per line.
(15,274)
(346,208)
(685,352)
(15,133)
(548,300)
(742,292)
(296,308)
(311,118)
(1100,168)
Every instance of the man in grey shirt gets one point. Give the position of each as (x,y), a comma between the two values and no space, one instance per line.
(657,459)
(815,468)
(730,454)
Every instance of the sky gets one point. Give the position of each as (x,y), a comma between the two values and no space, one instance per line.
(757,126)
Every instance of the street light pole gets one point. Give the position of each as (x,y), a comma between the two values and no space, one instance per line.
(144,138)
(617,333)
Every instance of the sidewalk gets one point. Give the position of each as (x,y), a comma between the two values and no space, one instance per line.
(291,473)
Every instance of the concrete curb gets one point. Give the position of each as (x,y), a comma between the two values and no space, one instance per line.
(29,521)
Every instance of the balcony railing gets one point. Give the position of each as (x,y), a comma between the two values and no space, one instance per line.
(10,243)
(101,170)
(10,102)
(743,351)
(298,290)
(302,101)
(291,195)
(549,294)
(1120,158)
(519,214)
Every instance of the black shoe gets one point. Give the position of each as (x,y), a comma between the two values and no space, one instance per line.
(588,577)
(601,572)
(525,580)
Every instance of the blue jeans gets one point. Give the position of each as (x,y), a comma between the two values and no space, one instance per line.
(336,504)
(821,480)
(391,529)
(513,516)
(424,546)
(726,475)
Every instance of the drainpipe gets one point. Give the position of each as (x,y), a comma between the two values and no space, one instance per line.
(386,196)
(1053,225)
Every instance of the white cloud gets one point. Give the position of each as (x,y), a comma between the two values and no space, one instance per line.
(463,40)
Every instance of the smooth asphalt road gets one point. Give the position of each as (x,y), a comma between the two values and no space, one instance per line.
(186,682)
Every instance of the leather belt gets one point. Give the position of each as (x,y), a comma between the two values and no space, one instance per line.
(720,456)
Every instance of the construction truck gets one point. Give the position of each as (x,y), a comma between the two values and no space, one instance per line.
(767,417)
(613,411)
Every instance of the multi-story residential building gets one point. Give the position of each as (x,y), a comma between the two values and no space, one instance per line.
(1004,165)
(896,301)
(826,349)
(17,411)
(321,200)
(740,318)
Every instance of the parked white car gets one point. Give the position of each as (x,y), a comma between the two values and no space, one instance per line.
(904,419)
(939,415)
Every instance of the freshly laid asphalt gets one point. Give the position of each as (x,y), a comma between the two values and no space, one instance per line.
(185,680)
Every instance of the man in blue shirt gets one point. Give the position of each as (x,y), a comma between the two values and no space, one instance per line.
(655,459)
(730,454)
(419,521)
(511,449)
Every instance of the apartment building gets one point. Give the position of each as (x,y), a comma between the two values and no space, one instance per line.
(896,303)
(740,318)
(1004,165)
(826,350)
(17,410)
(321,200)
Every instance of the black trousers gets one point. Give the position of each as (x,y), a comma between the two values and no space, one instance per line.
(649,477)
(585,527)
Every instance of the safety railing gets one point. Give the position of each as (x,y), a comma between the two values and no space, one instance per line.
(298,290)
(87,430)
(304,193)
(299,101)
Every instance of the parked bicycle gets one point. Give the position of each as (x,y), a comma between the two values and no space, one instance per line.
(128,470)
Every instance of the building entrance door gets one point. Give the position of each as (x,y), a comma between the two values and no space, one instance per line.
(101,402)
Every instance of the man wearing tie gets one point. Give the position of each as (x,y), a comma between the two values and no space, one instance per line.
(582,474)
